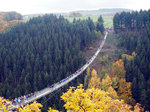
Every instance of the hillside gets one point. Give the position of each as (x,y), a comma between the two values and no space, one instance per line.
(108,12)
(8,19)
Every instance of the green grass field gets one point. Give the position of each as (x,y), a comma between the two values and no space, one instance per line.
(108,20)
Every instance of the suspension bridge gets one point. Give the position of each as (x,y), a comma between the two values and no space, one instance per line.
(37,95)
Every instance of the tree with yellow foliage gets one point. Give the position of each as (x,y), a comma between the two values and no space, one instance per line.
(106,83)
(34,107)
(129,57)
(3,105)
(115,82)
(92,100)
(124,91)
(118,68)
(94,82)
(77,100)
(112,93)
(52,110)
(119,82)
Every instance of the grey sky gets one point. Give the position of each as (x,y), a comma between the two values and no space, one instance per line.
(47,6)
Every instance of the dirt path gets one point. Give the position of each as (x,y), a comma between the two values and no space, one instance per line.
(109,54)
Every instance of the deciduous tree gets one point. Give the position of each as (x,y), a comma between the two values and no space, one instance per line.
(94,81)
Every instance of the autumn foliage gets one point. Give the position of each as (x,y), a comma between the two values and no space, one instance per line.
(119,82)
(7,24)
(118,69)
(94,80)
(115,83)
(52,110)
(8,19)
(129,57)
(92,100)
(3,104)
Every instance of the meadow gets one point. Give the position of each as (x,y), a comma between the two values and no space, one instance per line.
(108,20)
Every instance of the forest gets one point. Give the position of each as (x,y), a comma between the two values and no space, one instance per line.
(46,49)
(42,51)
(133,30)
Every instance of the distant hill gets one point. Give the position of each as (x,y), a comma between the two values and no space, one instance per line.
(103,11)
(8,19)
(106,11)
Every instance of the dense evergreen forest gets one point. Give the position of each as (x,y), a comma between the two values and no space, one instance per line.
(133,29)
(41,52)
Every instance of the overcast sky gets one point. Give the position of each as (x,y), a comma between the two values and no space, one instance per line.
(48,6)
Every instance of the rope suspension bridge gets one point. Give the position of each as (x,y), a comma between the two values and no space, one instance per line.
(37,95)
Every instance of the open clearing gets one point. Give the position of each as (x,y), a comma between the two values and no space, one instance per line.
(108,20)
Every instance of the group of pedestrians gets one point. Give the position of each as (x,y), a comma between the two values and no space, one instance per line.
(57,83)
(22,98)
(62,81)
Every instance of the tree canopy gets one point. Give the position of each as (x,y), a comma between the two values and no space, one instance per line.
(133,30)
